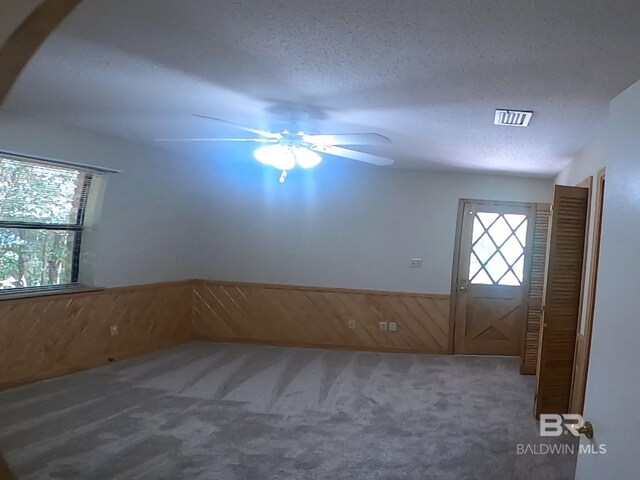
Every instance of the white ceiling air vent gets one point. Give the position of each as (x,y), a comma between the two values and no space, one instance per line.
(512,118)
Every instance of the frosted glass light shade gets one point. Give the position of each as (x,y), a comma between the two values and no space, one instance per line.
(307,158)
(285,158)
(277,156)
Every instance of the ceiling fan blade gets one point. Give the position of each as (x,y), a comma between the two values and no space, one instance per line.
(347,139)
(262,133)
(354,155)
(259,140)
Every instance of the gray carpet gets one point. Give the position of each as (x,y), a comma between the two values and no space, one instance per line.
(218,411)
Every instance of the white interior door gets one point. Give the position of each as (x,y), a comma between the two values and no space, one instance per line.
(613,384)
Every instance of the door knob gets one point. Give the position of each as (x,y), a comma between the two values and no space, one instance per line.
(586,430)
(463,288)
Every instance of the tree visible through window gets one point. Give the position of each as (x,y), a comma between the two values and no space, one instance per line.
(41,219)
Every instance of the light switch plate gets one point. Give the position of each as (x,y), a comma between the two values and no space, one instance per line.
(393,326)
(384,326)
(416,263)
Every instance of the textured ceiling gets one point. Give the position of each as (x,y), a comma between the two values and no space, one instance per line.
(427,74)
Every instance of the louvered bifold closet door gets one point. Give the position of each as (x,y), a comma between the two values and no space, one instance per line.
(561,303)
(529,357)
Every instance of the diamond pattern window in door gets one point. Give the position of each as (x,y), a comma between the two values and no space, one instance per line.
(497,251)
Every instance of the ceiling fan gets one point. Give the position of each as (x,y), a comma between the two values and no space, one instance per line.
(286,150)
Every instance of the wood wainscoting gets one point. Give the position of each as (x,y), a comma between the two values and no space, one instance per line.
(313,316)
(46,336)
(42,337)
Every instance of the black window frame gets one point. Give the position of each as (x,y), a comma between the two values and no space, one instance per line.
(88,176)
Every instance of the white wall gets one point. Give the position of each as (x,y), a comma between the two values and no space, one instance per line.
(588,163)
(167,217)
(613,387)
(342,224)
(142,233)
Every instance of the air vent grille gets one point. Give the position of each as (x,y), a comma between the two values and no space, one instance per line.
(512,118)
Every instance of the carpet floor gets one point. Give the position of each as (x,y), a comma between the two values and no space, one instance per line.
(221,411)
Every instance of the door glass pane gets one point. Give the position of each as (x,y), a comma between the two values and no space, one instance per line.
(510,279)
(474,266)
(497,251)
(487,218)
(484,248)
(521,233)
(482,279)
(500,231)
(511,250)
(514,220)
(496,267)
(518,268)
(478,230)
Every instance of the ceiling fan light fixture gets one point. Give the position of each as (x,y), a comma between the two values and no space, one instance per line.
(285,157)
(277,156)
(288,148)
(307,158)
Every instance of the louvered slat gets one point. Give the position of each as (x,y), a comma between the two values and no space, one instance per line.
(529,359)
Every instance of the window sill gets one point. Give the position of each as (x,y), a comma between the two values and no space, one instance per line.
(48,293)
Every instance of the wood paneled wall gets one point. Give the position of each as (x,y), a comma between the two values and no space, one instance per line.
(47,336)
(42,337)
(309,316)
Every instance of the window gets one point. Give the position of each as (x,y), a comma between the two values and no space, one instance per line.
(497,252)
(42,208)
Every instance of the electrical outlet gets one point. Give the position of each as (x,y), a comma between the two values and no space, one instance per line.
(393,327)
(351,324)
(416,263)
(114,330)
(384,326)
